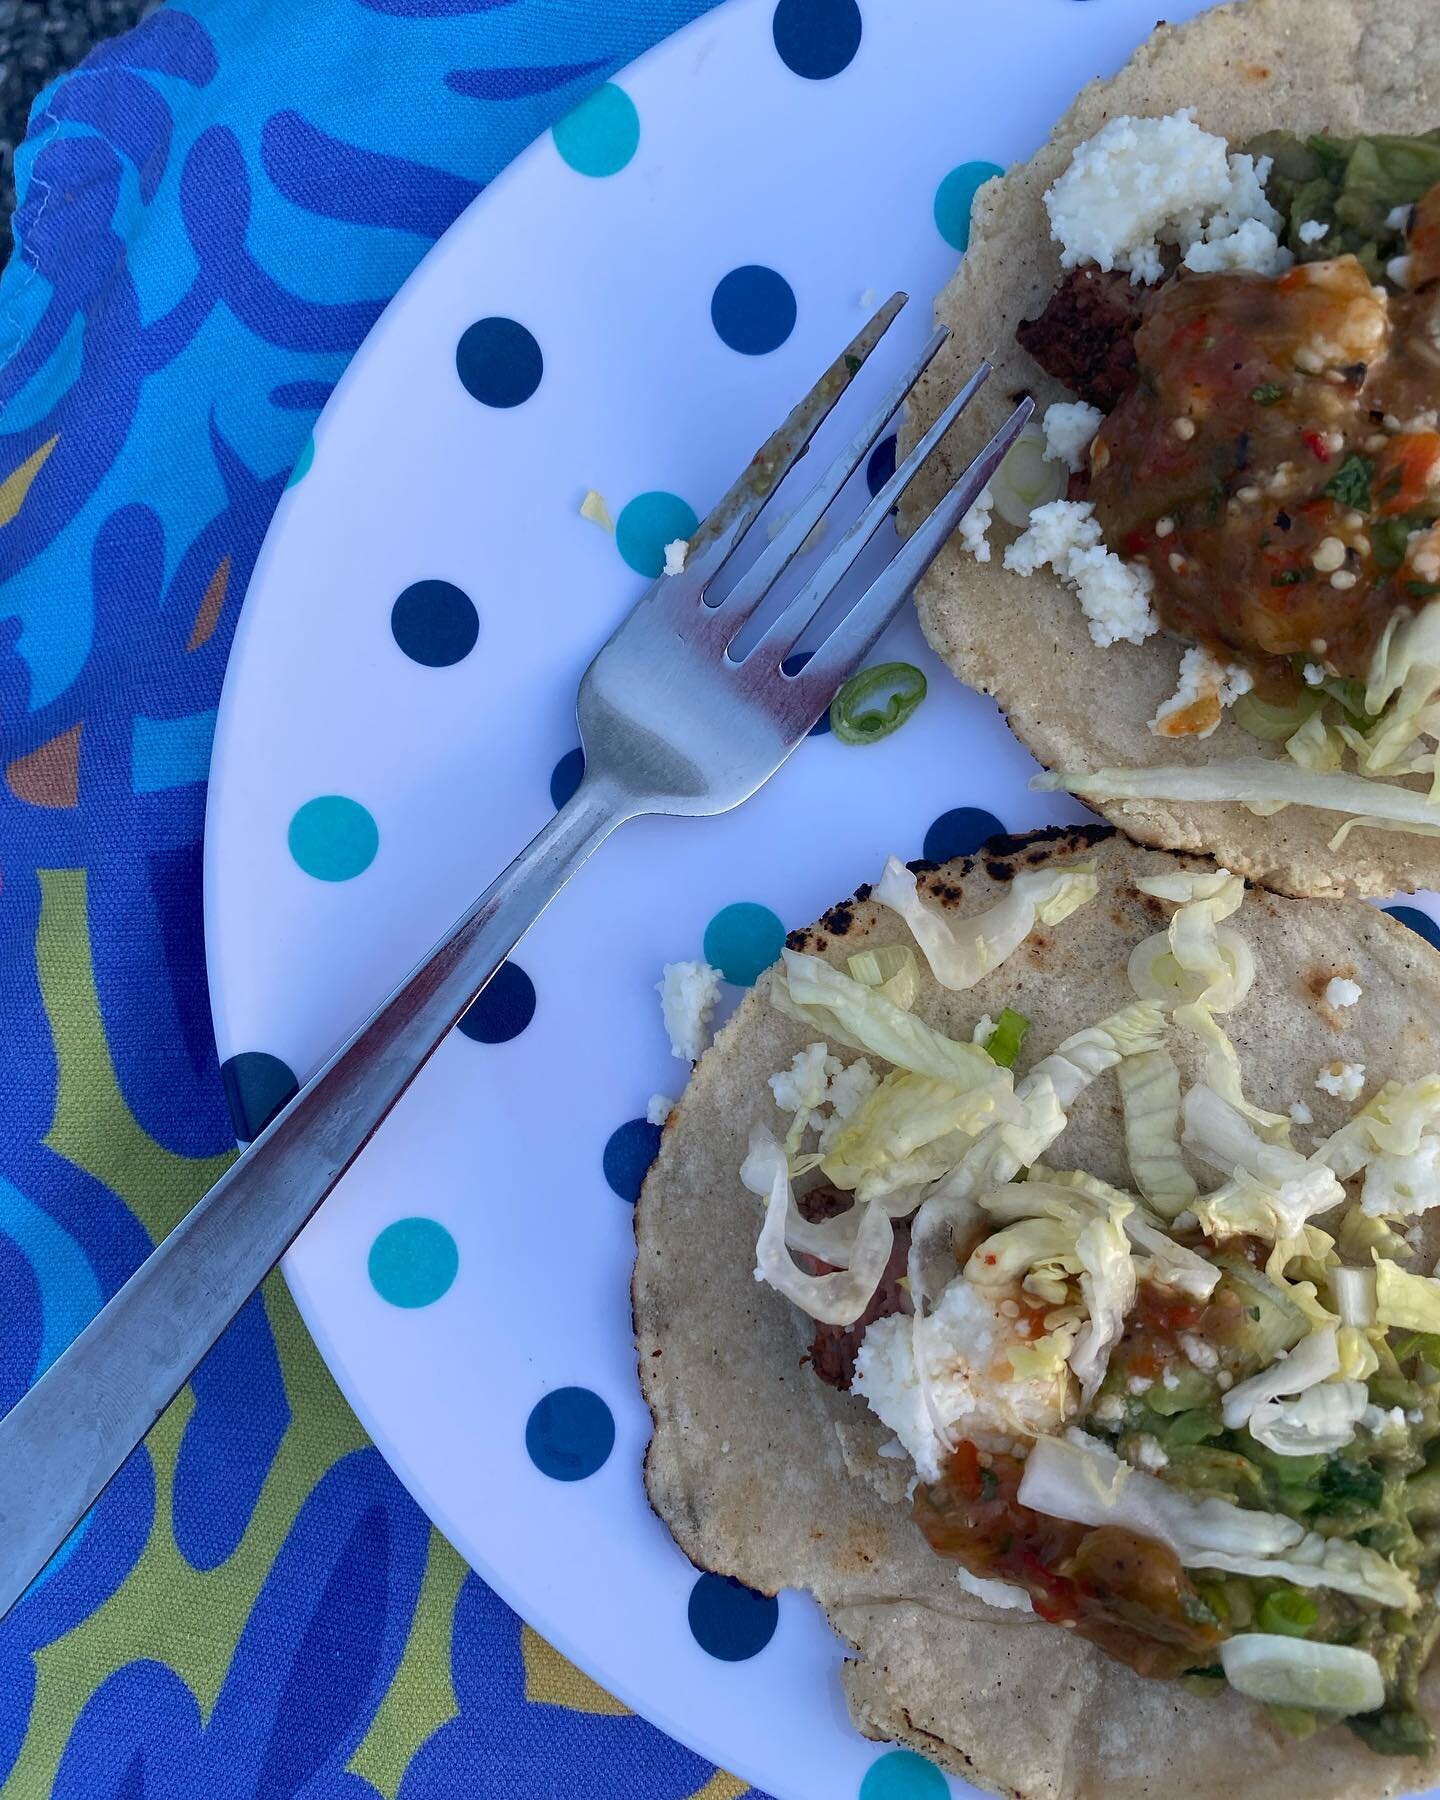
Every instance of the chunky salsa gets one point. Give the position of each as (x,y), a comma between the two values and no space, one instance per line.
(1275,464)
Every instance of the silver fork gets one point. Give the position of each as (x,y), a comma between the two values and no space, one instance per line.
(671,722)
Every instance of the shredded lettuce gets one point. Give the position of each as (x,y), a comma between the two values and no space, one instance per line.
(1168,1262)
(1320,1420)
(1272,1191)
(1401,1186)
(1107,1286)
(1409,1301)
(1282,1670)
(1002,1043)
(1077,1478)
(1252,782)
(961,951)
(847,1012)
(1150,1100)
(911,1130)
(891,970)
(835,1299)
(1314,1359)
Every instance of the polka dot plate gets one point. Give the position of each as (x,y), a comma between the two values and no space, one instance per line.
(628,310)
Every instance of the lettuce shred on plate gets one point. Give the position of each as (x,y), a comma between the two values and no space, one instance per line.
(1253,462)
(1197,1419)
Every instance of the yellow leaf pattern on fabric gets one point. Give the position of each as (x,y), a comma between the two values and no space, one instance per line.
(552,1681)
(18,482)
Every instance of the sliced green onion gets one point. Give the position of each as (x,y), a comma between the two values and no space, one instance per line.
(1270,723)
(1288,1612)
(1026,478)
(1003,1044)
(858,715)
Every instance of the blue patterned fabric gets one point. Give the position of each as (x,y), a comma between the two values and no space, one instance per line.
(213,212)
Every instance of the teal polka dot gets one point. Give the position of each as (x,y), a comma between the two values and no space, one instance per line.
(647,525)
(743,939)
(602,133)
(956,195)
(902,1775)
(333,839)
(302,463)
(413,1262)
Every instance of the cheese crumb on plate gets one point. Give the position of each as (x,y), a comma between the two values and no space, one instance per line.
(1344,1080)
(688,992)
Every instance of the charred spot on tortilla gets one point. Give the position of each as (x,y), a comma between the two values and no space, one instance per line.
(1237,1279)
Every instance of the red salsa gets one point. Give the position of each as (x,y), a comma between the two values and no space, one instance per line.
(1125,1593)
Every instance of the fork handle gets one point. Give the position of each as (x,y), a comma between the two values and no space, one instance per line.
(64,1440)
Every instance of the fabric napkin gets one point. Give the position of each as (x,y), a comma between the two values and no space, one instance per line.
(213,211)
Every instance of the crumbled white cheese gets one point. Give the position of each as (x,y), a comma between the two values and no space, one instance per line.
(1406,1185)
(1169,1379)
(1398,218)
(1200,1354)
(1340,992)
(675,554)
(994,1593)
(1108,1409)
(1113,595)
(848,1091)
(976,524)
(1224,1380)
(1344,1080)
(1251,245)
(593,508)
(1376,1419)
(1314,675)
(1070,427)
(688,992)
(1148,1453)
(1140,1384)
(801,1087)
(984,1030)
(964,1344)
(1141,183)
(1202,677)
(1301,1113)
(658,1109)
(1312,231)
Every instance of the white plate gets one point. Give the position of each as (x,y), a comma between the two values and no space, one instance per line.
(831,182)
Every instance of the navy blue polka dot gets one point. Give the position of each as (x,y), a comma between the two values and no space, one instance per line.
(881,465)
(257,1085)
(730,1620)
(792,665)
(817,38)
(499,362)
(1417,921)
(753,309)
(959,832)
(503,1010)
(632,1148)
(570,1434)
(565,777)
(435,623)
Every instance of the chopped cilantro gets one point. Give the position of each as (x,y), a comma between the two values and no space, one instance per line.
(1422,590)
(1388,540)
(1287,578)
(1350,484)
(1345,1484)
(1267,393)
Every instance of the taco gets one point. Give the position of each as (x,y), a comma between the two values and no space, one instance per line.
(1037,1270)
(1205,597)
